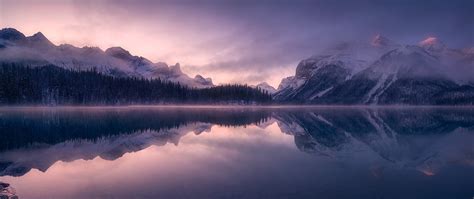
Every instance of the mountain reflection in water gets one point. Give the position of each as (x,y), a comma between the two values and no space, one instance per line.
(386,142)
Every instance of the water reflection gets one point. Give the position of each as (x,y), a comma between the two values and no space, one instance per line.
(421,139)
(243,152)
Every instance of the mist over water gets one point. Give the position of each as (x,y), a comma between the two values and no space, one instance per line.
(238,152)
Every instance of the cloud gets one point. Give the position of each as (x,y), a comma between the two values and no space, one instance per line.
(244,41)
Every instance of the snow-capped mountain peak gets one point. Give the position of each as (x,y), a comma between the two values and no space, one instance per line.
(383,73)
(92,50)
(11,34)
(432,44)
(119,52)
(39,40)
(203,81)
(176,68)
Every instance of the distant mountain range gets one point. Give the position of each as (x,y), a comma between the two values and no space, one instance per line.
(383,72)
(37,50)
(377,72)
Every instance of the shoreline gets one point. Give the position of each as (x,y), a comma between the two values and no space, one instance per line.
(177,106)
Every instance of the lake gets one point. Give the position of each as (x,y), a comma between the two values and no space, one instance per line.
(238,152)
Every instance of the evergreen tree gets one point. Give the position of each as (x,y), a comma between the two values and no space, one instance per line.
(51,85)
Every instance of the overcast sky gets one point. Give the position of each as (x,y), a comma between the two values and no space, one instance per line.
(246,41)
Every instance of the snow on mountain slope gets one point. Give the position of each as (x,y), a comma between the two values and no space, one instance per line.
(403,62)
(432,44)
(266,87)
(313,76)
(380,73)
(37,50)
(461,60)
(316,75)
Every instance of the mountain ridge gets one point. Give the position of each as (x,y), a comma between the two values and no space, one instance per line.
(37,50)
(386,73)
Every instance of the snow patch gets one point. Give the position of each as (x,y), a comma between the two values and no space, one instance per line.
(322,93)
(320,117)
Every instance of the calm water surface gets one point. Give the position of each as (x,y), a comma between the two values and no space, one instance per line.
(225,152)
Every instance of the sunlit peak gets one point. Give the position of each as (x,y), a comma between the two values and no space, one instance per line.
(429,41)
(432,43)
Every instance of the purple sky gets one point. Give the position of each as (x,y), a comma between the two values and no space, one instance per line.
(244,41)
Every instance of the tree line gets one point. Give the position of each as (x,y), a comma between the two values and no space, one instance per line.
(52,85)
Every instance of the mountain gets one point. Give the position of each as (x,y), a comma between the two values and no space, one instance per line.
(432,44)
(37,50)
(319,74)
(266,87)
(381,41)
(383,72)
